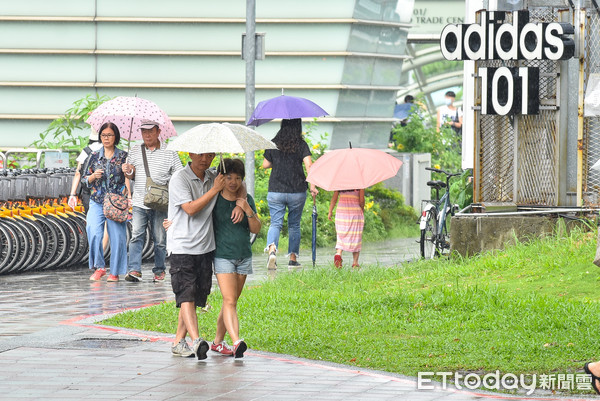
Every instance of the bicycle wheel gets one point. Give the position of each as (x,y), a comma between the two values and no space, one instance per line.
(32,240)
(62,241)
(23,244)
(41,241)
(148,250)
(74,239)
(83,241)
(51,236)
(107,254)
(443,240)
(428,235)
(7,249)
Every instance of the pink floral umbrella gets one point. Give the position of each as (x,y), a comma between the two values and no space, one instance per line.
(127,113)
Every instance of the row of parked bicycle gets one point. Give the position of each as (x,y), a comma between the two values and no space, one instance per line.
(38,230)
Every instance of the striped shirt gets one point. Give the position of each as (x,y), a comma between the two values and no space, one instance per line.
(162,164)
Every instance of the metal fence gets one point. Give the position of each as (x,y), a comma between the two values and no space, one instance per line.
(517,154)
(591,126)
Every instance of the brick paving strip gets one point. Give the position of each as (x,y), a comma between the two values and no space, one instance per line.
(103,362)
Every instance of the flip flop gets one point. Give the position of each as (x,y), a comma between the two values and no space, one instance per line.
(594,377)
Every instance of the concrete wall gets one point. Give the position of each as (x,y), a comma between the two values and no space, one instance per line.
(411,180)
(470,235)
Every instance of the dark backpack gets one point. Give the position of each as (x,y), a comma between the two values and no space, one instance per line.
(456,119)
(83,189)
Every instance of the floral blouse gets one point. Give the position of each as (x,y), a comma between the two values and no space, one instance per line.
(113,179)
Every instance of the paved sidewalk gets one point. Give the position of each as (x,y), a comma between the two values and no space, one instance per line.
(55,295)
(59,352)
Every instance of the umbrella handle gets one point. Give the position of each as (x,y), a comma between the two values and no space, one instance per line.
(314,200)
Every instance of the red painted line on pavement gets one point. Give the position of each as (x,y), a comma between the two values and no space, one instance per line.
(333,368)
(406,381)
(74,322)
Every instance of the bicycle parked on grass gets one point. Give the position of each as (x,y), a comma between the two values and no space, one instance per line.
(435,216)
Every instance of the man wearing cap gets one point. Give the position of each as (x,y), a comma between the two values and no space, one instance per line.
(162,164)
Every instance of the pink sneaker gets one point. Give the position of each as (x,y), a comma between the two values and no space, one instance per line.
(98,274)
(112,278)
(222,348)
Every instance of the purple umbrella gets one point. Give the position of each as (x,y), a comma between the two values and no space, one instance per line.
(286,107)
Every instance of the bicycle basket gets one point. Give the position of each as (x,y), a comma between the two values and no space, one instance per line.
(54,187)
(20,188)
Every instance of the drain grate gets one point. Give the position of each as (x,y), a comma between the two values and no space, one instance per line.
(101,343)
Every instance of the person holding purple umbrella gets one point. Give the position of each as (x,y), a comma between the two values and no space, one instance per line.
(287,188)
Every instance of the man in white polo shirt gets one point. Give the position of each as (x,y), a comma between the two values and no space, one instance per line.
(191,242)
(162,164)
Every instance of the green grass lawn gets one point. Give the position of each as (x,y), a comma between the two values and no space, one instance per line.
(532,308)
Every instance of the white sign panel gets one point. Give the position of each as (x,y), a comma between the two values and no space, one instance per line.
(56,159)
(591,100)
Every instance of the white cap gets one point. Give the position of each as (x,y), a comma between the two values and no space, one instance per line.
(149,124)
(94,135)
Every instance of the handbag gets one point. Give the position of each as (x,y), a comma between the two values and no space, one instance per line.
(115,207)
(157,195)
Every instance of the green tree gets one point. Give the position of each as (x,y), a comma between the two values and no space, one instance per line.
(65,132)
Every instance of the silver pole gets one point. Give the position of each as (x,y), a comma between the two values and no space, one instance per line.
(250,56)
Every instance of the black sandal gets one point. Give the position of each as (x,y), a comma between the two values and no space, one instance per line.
(594,377)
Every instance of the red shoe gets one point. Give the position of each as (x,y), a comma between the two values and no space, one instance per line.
(160,277)
(112,278)
(222,348)
(98,274)
(337,261)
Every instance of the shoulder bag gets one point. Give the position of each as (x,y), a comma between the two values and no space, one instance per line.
(156,196)
(115,206)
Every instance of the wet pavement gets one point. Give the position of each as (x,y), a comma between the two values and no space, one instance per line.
(52,348)
(55,295)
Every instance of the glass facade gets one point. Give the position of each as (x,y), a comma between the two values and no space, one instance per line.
(346,55)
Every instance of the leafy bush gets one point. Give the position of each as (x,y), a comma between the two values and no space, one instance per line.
(393,210)
(65,132)
(421,136)
(461,189)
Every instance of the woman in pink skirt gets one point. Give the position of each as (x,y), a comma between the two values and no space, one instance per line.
(349,223)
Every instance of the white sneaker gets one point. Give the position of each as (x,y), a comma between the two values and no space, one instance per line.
(272,262)
(182,349)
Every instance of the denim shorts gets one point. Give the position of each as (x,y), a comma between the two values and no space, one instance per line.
(239,266)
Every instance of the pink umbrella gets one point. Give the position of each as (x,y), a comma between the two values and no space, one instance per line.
(347,169)
(127,113)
